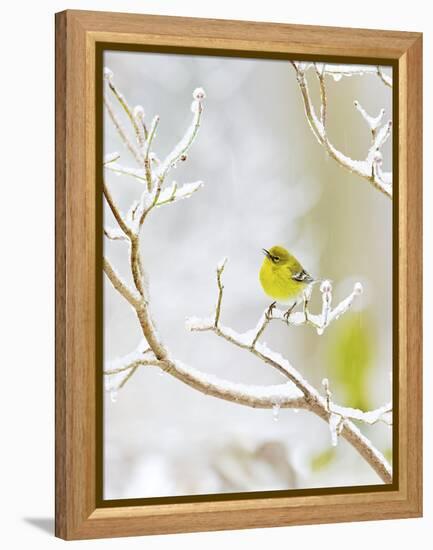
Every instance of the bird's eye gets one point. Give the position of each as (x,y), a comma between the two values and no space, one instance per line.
(276,258)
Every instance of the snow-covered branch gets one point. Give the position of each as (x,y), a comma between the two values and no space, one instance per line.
(367,168)
(180,150)
(151,172)
(337,71)
(339,415)
(294,392)
(177,193)
(338,418)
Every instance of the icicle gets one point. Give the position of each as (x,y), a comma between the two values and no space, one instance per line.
(337,76)
(334,421)
(320,331)
(113,395)
(276,412)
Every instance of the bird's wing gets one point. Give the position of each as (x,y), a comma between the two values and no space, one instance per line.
(302,277)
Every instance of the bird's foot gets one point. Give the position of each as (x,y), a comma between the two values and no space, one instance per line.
(288,312)
(270,310)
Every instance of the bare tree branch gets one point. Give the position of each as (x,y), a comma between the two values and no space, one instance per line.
(314,402)
(296,392)
(364,168)
(121,287)
(115,210)
(129,144)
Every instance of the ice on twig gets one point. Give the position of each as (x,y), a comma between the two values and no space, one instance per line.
(276,412)
(381,137)
(197,323)
(326,290)
(221,264)
(380,134)
(353,70)
(114,234)
(139,112)
(334,424)
(108,74)
(369,417)
(345,304)
(111,157)
(114,365)
(175,193)
(184,144)
(373,122)
(137,173)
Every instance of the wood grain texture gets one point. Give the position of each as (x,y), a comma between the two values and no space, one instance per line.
(77,34)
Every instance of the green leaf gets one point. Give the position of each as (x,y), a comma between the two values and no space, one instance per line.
(350,359)
(322,460)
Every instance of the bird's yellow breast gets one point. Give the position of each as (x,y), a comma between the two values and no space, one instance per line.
(277,282)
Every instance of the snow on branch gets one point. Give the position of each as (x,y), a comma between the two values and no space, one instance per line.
(150,171)
(322,320)
(137,173)
(337,71)
(319,321)
(114,234)
(338,418)
(175,193)
(180,150)
(294,392)
(371,167)
(338,415)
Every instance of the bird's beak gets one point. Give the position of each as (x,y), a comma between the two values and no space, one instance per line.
(266,252)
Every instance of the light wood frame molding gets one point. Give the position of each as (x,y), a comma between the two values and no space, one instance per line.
(79,514)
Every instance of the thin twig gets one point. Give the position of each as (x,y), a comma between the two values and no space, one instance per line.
(384,78)
(121,99)
(133,150)
(364,168)
(146,152)
(121,287)
(115,210)
(220,270)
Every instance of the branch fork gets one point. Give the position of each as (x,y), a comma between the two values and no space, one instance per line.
(367,168)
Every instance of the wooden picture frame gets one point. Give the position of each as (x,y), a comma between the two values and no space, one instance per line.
(79,37)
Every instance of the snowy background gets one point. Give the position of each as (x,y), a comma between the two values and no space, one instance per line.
(267,181)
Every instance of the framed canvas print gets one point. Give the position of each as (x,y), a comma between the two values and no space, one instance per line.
(238,219)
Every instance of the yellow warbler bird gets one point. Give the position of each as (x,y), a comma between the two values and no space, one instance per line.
(283,278)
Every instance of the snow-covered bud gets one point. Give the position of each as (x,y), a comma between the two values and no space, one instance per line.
(377,157)
(108,74)
(138,112)
(326,286)
(199,94)
(358,289)
(221,264)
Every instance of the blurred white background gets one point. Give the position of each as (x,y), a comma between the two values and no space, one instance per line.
(27,460)
(267,181)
